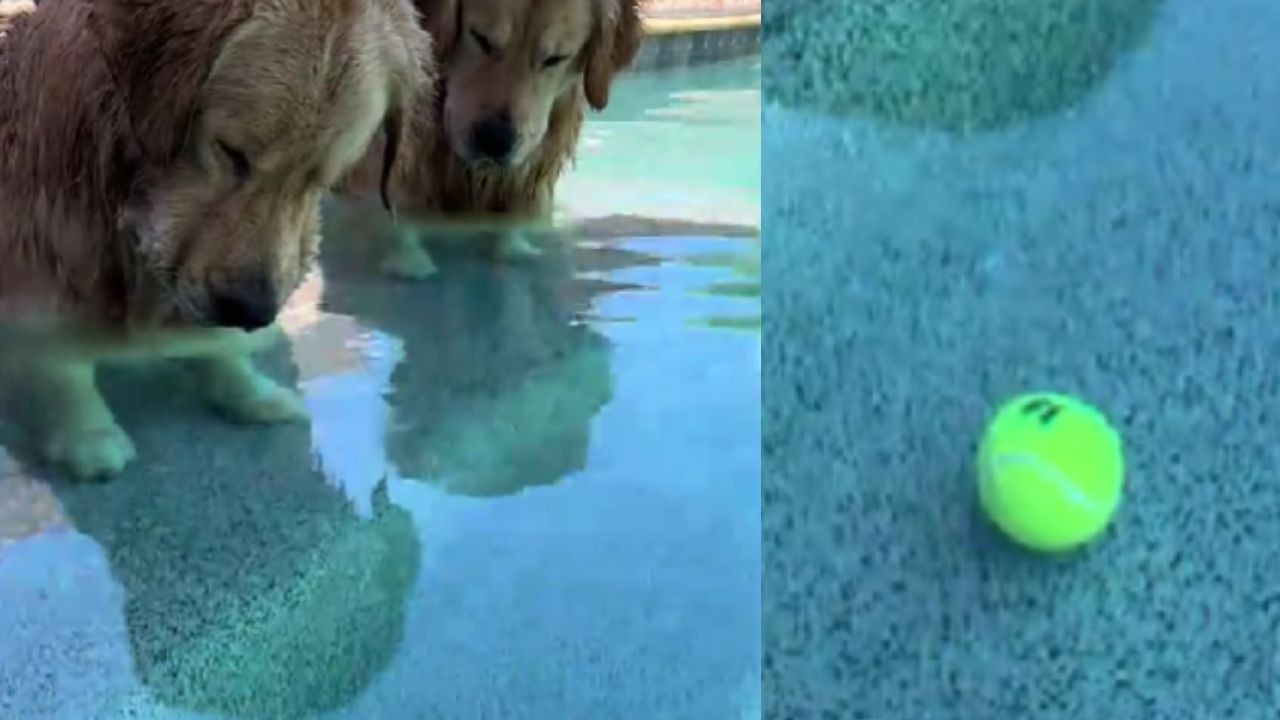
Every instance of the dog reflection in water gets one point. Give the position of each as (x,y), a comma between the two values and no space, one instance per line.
(500,379)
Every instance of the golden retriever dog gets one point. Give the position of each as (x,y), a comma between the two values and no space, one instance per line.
(516,77)
(162,164)
(11,10)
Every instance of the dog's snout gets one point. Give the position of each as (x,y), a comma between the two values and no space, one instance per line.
(494,137)
(249,302)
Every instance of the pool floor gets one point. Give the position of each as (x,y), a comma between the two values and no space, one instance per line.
(1122,248)
(526,492)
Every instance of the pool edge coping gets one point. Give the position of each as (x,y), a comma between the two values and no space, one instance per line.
(706,23)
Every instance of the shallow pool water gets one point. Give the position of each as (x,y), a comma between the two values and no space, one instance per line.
(683,149)
(526,492)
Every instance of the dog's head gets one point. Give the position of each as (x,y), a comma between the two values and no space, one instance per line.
(507,62)
(241,115)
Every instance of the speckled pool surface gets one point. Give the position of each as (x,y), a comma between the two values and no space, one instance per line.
(1121,243)
(526,492)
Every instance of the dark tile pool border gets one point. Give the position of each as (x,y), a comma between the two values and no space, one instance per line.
(682,42)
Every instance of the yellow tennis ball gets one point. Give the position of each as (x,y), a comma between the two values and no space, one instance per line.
(1050,471)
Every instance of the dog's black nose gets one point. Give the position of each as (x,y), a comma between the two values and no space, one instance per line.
(494,138)
(247,303)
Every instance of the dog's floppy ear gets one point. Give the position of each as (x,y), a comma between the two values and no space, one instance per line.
(160,54)
(393,130)
(614,44)
(409,116)
(443,19)
(11,11)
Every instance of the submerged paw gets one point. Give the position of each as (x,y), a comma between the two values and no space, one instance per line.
(90,452)
(515,248)
(409,264)
(269,403)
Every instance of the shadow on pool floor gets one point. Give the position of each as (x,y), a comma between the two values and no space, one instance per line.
(962,66)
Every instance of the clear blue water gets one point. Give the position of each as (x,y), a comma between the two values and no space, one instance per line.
(526,492)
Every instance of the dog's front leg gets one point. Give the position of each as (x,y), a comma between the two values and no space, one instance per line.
(513,245)
(76,428)
(235,388)
(513,241)
(404,257)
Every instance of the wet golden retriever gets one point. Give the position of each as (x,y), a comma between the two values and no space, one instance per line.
(162,163)
(516,77)
(11,10)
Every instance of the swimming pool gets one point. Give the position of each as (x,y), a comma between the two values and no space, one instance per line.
(1110,233)
(526,492)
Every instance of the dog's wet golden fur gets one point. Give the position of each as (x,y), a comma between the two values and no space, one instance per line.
(10,10)
(162,164)
(516,77)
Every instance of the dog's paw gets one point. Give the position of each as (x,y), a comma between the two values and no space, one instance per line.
(90,452)
(409,266)
(233,387)
(515,247)
(410,263)
(266,404)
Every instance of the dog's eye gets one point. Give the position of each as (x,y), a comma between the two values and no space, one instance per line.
(554,60)
(485,45)
(239,161)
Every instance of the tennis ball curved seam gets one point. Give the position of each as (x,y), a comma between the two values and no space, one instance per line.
(1071,492)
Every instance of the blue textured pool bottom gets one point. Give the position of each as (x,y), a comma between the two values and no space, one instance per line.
(1123,250)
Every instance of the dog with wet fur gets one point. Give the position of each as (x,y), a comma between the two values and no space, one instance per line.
(516,78)
(12,9)
(162,164)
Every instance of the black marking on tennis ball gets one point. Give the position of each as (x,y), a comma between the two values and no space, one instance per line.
(1035,405)
(1046,408)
